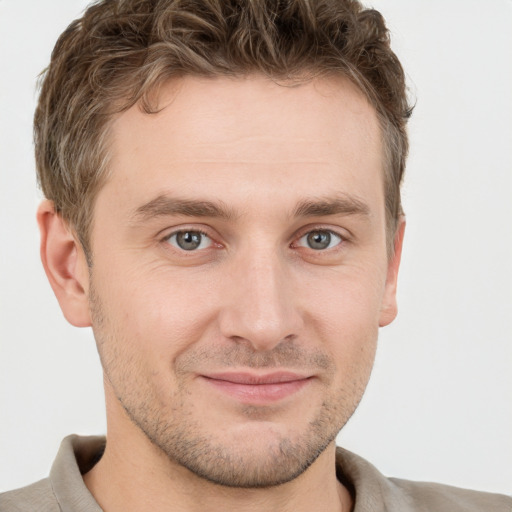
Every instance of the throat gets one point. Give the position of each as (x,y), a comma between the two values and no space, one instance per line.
(118,485)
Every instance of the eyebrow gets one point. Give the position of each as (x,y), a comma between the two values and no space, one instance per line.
(165,205)
(339,205)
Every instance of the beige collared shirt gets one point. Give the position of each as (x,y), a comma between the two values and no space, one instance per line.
(64,490)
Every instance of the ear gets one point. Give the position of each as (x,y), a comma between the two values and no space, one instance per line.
(389,307)
(65,265)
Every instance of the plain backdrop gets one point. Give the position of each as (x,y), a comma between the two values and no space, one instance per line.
(439,405)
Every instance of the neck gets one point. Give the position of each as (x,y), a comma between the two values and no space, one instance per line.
(135,475)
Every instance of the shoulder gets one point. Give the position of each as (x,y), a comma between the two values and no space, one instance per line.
(64,489)
(439,497)
(37,496)
(377,493)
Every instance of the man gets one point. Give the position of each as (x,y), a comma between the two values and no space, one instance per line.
(224,210)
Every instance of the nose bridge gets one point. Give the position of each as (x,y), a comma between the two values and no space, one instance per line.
(260,308)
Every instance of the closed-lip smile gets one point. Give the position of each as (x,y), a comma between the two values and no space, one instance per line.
(258,388)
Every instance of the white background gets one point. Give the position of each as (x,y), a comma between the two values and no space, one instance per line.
(439,405)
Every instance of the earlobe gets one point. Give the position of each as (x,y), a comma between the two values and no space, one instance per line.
(65,265)
(389,306)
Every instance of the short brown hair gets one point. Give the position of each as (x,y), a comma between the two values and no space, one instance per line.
(120,51)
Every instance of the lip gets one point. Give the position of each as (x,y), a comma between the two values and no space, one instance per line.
(258,389)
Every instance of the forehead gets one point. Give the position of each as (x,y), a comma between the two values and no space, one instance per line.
(215,134)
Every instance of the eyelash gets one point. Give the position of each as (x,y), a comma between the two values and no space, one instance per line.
(329,232)
(168,237)
(342,239)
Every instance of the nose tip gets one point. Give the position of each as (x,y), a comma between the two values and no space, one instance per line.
(260,307)
(261,338)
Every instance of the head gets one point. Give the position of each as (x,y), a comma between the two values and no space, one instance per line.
(226,192)
(120,53)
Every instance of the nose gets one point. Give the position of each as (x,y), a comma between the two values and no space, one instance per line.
(259,303)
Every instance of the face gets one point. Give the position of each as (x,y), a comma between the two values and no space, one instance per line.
(239,272)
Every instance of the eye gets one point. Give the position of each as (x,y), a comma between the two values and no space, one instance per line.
(319,240)
(189,240)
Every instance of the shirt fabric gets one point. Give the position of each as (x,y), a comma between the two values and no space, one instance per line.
(64,490)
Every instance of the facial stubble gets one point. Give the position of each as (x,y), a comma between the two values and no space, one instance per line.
(173,423)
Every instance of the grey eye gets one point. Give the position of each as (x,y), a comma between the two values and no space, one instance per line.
(320,240)
(189,240)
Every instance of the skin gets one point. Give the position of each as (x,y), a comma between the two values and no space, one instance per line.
(256,168)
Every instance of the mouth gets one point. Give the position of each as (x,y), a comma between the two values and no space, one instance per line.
(258,389)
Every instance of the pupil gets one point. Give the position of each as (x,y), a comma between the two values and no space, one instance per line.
(319,240)
(189,240)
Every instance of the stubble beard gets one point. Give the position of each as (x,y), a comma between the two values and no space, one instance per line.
(172,427)
(241,463)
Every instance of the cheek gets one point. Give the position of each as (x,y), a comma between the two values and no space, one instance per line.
(156,312)
(350,297)
(346,316)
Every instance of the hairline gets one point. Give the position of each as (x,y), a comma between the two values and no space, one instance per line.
(85,223)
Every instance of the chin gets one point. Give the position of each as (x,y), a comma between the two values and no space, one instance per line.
(252,454)
(256,463)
